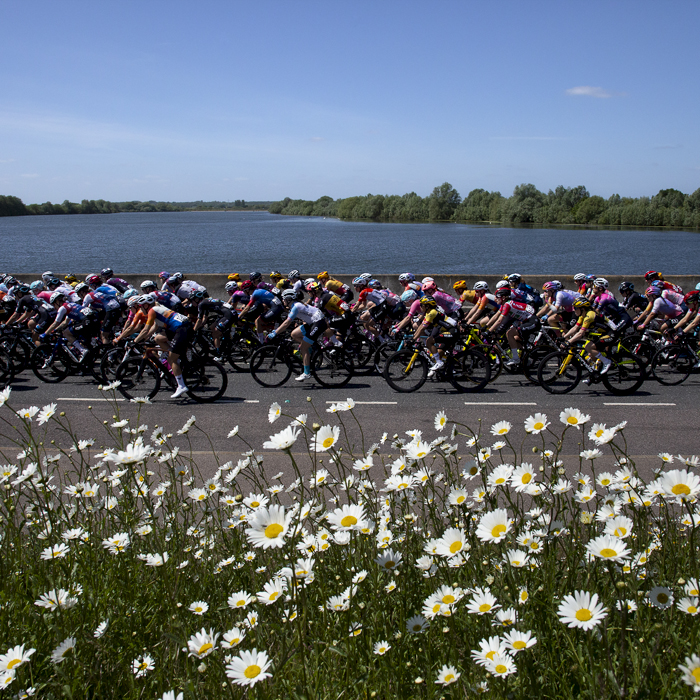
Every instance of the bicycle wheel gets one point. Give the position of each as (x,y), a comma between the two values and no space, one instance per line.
(109,363)
(496,360)
(383,352)
(530,361)
(362,351)
(7,370)
(559,373)
(626,375)
(469,370)
(139,376)
(50,364)
(332,367)
(206,380)
(404,373)
(241,350)
(637,345)
(269,366)
(672,365)
(19,355)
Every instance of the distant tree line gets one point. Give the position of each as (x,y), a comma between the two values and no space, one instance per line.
(14,206)
(527,205)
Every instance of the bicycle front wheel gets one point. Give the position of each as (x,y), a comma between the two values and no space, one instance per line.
(470,370)
(242,349)
(672,365)
(626,374)
(559,373)
(332,367)
(139,377)
(406,371)
(49,364)
(269,366)
(206,380)
(6,369)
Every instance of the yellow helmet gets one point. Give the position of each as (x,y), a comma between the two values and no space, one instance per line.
(459,285)
(275,275)
(235,277)
(323,275)
(428,302)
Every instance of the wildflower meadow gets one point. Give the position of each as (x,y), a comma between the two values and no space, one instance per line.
(336,561)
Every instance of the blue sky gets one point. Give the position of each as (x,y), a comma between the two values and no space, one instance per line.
(262,100)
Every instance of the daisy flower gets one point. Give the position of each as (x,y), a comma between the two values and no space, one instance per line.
(688,605)
(501,665)
(452,542)
(536,423)
(457,496)
(362,465)
(416,624)
(202,643)
(522,476)
(388,559)
(381,648)
(447,675)
(488,648)
(681,484)
(417,449)
(57,551)
(274,412)
(347,517)
(63,650)
(268,527)
(573,417)
(517,641)
(117,543)
(14,658)
(100,630)
(233,638)
(493,526)
(283,440)
(500,476)
(482,603)
(501,428)
(691,671)
(249,668)
(591,454)
(608,547)
(271,592)
(516,558)
(325,438)
(199,607)
(46,413)
(619,526)
(581,610)
(692,588)
(142,665)
(661,597)
(440,420)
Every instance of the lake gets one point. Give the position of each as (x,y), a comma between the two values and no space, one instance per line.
(217,242)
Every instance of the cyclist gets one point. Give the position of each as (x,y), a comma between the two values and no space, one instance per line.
(465,295)
(174,338)
(371,306)
(178,285)
(518,320)
(164,298)
(38,289)
(691,319)
(105,300)
(559,305)
(485,307)
(336,311)
(257,280)
(660,308)
(164,277)
(634,302)
(72,319)
(336,286)
(36,313)
(118,283)
(408,281)
(55,285)
(524,293)
(435,322)
(451,306)
(613,314)
(239,294)
(652,276)
(264,307)
(586,320)
(313,325)
(135,321)
(580,280)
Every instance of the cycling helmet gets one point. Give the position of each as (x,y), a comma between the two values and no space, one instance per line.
(173,281)
(312,286)
(146,299)
(22,289)
(323,275)
(515,278)
(481,286)
(657,283)
(459,285)
(294,275)
(231,287)
(133,301)
(578,278)
(148,283)
(375,284)
(653,291)
(553,286)
(502,284)
(428,301)
(274,275)
(600,282)
(82,287)
(255,276)
(54,282)
(290,295)
(163,275)
(107,272)
(692,297)
(247,286)
(407,277)
(46,276)
(93,280)
(625,287)
(235,277)
(425,280)
(652,275)
(359,282)
(56,296)
(591,278)
(697,286)
(582,303)
(70,278)
(409,296)
(429,287)
(130,293)
(36,286)
(198,295)
(11,281)
(178,276)
(503,291)
(366,276)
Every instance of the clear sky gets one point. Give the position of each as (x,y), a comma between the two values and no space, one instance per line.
(266,99)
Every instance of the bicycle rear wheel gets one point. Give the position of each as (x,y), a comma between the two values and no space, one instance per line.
(626,375)
(672,365)
(50,364)
(269,366)
(139,377)
(361,350)
(530,361)
(404,373)
(241,350)
(206,380)
(559,373)
(332,367)
(469,370)
(6,369)
(383,352)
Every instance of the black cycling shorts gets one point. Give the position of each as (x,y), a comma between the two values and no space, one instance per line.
(378,312)
(43,320)
(226,320)
(312,331)
(180,339)
(348,296)
(111,318)
(398,312)
(274,313)
(527,327)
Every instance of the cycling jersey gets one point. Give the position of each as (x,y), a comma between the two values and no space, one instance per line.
(103,298)
(526,294)
(586,320)
(673,297)
(119,284)
(448,302)
(332,305)
(206,306)
(69,293)
(436,318)
(239,297)
(166,318)
(305,313)
(264,296)
(665,308)
(469,295)
(516,310)
(45,296)
(373,295)
(336,286)
(487,302)
(75,312)
(672,287)
(564,300)
(30,302)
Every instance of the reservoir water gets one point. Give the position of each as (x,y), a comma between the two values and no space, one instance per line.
(218,242)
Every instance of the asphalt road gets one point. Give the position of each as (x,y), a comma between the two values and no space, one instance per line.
(660,418)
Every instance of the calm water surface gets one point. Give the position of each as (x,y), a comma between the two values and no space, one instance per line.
(198,242)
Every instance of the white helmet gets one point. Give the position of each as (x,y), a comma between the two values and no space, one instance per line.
(600,282)
(146,299)
(502,283)
(148,283)
(481,286)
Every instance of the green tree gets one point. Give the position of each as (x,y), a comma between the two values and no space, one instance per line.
(443,201)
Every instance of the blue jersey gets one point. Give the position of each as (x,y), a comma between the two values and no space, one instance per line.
(263,296)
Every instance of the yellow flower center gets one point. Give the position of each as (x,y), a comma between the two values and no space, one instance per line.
(691,609)
(272,531)
(598,432)
(662,598)
(519,644)
(501,668)
(500,480)
(205,648)
(572,420)
(679,489)
(584,615)
(484,607)
(490,655)
(460,499)
(421,454)
(607,553)
(694,592)
(455,547)
(328,442)
(516,562)
(524,596)
(274,595)
(448,599)
(390,564)
(620,531)
(695,673)
(13,663)
(436,608)
(255,504)
(503,431)
(538,425)
(348,521)
(253,671)
(449,677)
(498,530)
(605,482)
(526,478)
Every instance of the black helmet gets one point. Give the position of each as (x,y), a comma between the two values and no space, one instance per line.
(198,295)
(107,272)
(626,287)
(22,289)
(255,276)
(54,281)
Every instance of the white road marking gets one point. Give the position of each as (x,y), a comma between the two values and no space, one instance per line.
(251,401)
(72,398)
(641,403)
(369,403)
(500,403)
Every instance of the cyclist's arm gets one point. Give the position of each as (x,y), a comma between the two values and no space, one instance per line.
(494,322)
(148,330)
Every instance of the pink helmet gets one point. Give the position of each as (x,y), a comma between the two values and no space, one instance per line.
(653,291)
(429,287)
